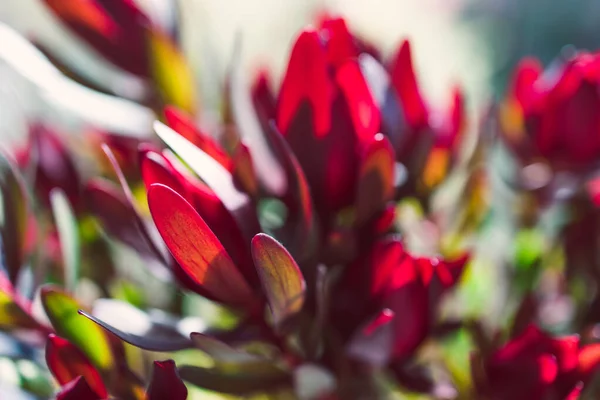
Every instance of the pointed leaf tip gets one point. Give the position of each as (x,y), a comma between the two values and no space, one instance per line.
(77,389)
(67,363)
(306,79)
(196,248)
(165,382)
(282,280)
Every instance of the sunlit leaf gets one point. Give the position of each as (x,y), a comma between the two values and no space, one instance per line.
(197,249)
(215,176)
(281,279)
(62,310)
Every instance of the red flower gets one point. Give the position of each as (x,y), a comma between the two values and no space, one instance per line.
(554,114)
(535,366)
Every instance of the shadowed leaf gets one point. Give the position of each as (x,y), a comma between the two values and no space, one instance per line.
(300,229)
(166,383)
(281,279)
(77,389)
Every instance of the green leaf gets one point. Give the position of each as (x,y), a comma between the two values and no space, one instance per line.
(68,233)
(63,312)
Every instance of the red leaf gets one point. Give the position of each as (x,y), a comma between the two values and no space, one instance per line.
(243,170)
(300,228)
(156,168)
(53,165)
(77,389)
(526,73)
(405,82)
(363,109)
(67,362)
(166,383)
(218,178)
(114,28)
(183,124)
(376,179)
(340,43)
(306,79)
(263,99)
(197,249)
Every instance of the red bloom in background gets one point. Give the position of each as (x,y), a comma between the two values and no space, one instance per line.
(536,366)
(555,114)
(335,97)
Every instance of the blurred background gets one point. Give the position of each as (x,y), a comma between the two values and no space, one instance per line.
(474,42)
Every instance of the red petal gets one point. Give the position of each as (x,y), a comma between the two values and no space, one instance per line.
(197,249)
(405,82)
(166,383)
(363,109)
(67,362)
(306,79)
(77,389)
(183,124)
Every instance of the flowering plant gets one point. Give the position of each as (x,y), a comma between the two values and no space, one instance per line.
(323,243)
